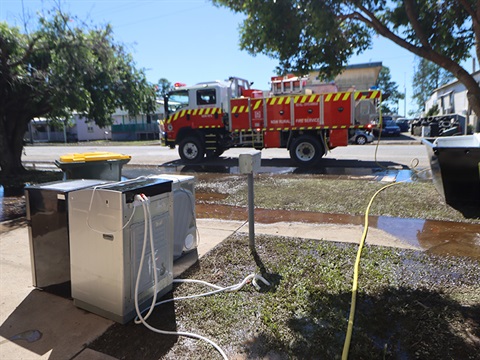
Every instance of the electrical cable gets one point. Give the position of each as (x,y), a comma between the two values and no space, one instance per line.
(87,220)
(142,319)
(380,124)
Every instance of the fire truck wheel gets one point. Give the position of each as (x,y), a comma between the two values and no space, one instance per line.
(191,150)
(306,150)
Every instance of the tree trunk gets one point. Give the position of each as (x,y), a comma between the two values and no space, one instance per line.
(11,145)
(473,96)
(474,101)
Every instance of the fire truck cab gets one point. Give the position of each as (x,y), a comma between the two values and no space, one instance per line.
(208,118)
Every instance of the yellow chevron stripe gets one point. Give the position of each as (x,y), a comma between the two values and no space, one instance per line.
(337,96)
(234,110)
(280,100)
(257,104)
(346,96)
(312,98)
(288,100)
(328,97)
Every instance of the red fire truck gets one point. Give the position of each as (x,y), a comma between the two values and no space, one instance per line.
(208,118)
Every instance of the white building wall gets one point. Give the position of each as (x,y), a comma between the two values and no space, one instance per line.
(452,99)
(88,130)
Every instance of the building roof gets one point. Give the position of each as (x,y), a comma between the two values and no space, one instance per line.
(475,74)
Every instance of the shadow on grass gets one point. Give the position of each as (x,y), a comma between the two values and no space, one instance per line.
(411,305)
(395,324)
(132,341)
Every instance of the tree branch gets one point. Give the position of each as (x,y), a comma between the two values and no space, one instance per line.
(470,10)
(425,51)
(28,52)
(475,14)
(413,17)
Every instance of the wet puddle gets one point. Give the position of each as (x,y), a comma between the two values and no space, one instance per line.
(374,173)
(438,237)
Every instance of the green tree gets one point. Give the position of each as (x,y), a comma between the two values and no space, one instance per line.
(433,111)
(390,92)
(61,67)
(163,87)
(426,78)
(307,34)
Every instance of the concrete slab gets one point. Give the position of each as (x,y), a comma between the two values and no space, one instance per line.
(330,232)
(36,324)
(212,232)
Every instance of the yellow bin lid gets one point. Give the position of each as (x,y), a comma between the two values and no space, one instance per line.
(93,156)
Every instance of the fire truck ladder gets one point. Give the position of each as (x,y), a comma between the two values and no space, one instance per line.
(211,143)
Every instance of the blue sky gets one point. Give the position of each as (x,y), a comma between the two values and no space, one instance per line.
(191,40)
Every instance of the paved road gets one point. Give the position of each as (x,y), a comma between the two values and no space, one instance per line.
(354,155)
(388,153)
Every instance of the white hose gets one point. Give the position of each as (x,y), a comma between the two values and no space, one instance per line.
(142,319)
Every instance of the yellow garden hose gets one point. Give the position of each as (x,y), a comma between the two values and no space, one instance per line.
(348,337)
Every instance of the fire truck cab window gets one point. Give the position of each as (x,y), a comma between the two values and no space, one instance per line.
(206,97)
(177,100)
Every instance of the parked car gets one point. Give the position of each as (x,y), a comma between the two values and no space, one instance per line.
(361,137)
(389,128)
(403,124)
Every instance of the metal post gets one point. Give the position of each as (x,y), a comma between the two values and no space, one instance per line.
(249,163)
(251,217)
(64,132)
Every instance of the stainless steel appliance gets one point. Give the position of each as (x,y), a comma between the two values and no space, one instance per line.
(107,229)
(184,216)
(47,215)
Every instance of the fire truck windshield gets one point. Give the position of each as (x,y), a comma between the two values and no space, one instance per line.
(177,100)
